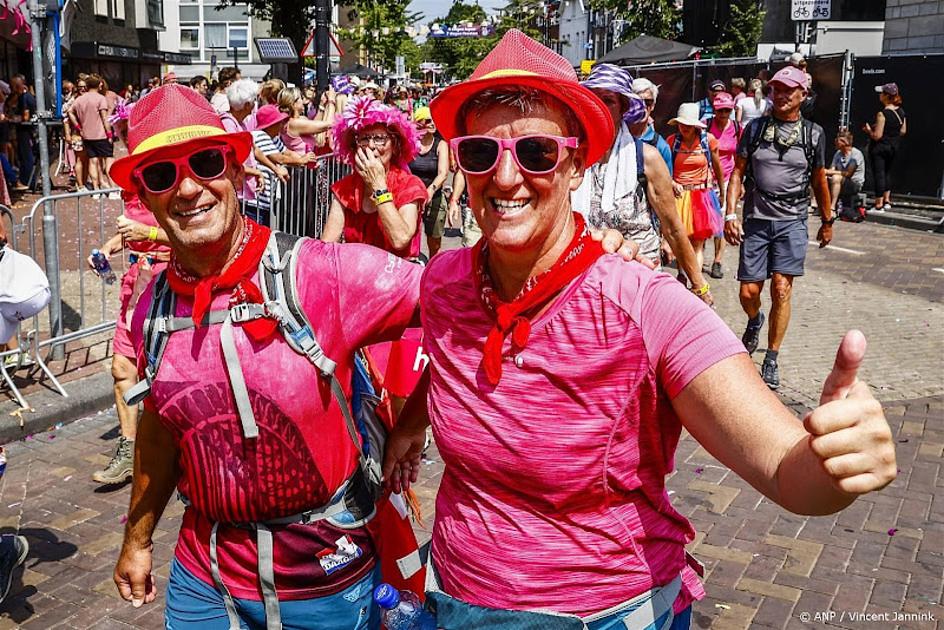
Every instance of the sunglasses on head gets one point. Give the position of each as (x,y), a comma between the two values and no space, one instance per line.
(204,164)
(535,155)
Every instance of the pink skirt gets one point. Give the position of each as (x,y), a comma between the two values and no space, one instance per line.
(700,212)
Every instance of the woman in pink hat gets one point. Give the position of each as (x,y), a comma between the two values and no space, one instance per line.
(560,380)
(728,132)
(696,170)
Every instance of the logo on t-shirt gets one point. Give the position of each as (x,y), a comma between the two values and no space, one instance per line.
(346,552)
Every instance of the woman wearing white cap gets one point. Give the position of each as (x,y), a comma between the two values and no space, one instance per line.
(696,165)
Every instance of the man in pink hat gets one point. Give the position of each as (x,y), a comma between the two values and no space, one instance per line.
(560,380)
(242,425)
(778,159)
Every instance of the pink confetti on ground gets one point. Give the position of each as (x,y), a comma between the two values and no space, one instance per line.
(29,437)
(123,519)
(699,470)
(892,531)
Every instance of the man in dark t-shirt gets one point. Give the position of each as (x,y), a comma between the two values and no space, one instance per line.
(23,113)
(779,158)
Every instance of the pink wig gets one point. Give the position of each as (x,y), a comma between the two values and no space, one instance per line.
(362,112)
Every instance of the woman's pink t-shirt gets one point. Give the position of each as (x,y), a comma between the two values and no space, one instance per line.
(727,144)
(553,494)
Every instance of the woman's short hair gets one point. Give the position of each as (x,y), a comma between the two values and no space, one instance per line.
(738,82)
(241,92)
(523,99)
(643,84)
(287,98)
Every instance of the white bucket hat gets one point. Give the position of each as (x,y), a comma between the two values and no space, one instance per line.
(688,115)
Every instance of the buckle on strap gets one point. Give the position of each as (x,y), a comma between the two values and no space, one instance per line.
(247,312)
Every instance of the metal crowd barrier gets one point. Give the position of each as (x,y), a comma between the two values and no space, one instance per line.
(88,213)
(12,232)
(300,205)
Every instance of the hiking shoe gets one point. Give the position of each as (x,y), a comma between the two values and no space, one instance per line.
(121,466)
(751,336)
(771,374)
(716,271)
(13,551)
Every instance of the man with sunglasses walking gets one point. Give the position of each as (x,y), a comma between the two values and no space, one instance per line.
(243,426)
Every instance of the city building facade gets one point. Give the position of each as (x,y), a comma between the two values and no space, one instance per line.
(913,26)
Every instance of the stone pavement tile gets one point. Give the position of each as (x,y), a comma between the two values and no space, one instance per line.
(774,612)
(888,594)
(719,614)
(768,589)
(802,554)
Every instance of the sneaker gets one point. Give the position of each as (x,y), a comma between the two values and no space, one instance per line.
(121,466)
(13,551)
(771,374)
(716,271)
(751,336)
(19,187)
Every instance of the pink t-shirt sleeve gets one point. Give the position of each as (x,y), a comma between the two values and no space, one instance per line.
(375,293)
(683,336)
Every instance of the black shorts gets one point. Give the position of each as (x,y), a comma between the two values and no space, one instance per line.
(771,247)
(99,148)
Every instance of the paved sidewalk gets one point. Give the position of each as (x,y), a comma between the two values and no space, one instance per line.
(765,568)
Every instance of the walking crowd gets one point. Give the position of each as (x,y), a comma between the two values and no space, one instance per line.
(287,386)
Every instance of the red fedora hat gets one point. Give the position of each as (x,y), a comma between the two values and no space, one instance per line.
(520,61)
(170,120)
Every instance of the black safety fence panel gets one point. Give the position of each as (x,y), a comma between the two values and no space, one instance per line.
(919,164)
(680,83)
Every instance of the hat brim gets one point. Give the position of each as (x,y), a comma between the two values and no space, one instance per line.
(689,122)
(590,111)
(122,170)
(788,84)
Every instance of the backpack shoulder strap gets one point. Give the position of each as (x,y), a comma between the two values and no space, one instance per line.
(640,160)
(156,334)
(808,147)
(277,271)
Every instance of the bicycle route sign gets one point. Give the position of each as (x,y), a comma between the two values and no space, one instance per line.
(811,10)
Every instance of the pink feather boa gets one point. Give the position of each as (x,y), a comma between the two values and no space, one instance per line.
(364,111)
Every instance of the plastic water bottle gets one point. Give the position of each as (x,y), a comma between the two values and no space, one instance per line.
(402,610)
(102,268)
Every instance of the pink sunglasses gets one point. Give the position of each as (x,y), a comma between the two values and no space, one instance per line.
(535,154)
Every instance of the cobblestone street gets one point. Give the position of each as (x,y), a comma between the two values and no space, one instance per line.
(765,568)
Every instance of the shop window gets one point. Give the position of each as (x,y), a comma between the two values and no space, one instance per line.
(190,37)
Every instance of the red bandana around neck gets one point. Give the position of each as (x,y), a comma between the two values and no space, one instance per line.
(513,317)
(236,276)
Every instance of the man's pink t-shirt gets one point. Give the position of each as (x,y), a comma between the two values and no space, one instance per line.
(87,110)
(553,495)
(354,295)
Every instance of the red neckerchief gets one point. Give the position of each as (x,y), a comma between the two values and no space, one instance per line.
(513,317)
(237,276)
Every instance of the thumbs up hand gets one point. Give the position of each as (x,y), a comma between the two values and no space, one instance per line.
(849,433)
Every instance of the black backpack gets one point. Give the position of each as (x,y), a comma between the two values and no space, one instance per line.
(756,130)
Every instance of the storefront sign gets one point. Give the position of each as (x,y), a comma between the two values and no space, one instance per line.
(117,52)
(177,58)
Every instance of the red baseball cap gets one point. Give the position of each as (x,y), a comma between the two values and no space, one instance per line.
(791,77)
(520,61)
(173,120)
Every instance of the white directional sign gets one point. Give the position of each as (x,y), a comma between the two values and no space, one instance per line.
(811,10)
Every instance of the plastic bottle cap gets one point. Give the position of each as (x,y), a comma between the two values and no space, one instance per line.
(386,596)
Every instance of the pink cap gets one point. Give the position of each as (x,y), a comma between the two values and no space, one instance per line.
(269,115)
(791,77)
(723,100)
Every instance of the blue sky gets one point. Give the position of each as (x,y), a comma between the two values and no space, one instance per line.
(438,8)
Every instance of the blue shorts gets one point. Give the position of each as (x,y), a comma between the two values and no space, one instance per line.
(771,247)
(192,604)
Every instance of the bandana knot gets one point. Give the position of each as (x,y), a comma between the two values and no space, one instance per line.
(514,317)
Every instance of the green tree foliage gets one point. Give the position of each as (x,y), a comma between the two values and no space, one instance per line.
(382,32)
(743,30)
(461,55)
(658,18)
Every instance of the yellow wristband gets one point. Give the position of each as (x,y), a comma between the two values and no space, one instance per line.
(152,234)
(702,290)
(384,198)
